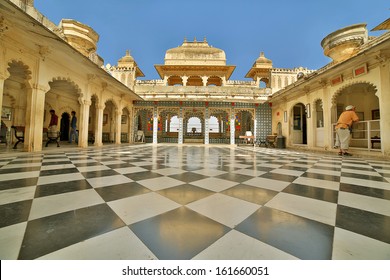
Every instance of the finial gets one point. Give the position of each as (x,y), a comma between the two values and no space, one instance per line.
(127,52)
(261,54)
(194,39)
(204,39)
(185,39)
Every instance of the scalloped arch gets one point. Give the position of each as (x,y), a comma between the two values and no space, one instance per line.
(68,80)
(341,89)
(17,67)
(112,101)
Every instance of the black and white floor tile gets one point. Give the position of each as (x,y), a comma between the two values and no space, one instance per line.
(193,202)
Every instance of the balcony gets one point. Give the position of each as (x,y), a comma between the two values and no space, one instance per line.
(156,91)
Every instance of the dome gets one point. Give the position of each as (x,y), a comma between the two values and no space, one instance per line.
(127,60)
(80,36)
(344,43)
(195,53)
(262,61)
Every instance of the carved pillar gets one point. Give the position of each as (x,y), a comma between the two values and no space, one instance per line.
(180,140)
(223,81)
(99,125)
(155,124)
(232,127)
(34,118)
(166,80)
(130,126)
(204,80)
(83,123)
(184,79)
(206,126)
(255,124)
(118,124)
(257,81)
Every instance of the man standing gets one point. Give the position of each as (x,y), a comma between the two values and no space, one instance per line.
(73,128)
(343,129)
(53,121)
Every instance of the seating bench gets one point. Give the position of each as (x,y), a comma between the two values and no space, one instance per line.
(51,136)
(271,140)
(19,134)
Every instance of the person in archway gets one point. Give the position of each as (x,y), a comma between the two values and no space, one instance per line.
(53,121)
(73,128)
(344,128)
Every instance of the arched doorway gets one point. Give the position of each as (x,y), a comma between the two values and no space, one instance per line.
(15,101)
(64,126)
(299,124)
(144,124)
(125,126)
(109,122)
(363,96)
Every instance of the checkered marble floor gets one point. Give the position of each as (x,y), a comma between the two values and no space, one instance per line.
(193,202)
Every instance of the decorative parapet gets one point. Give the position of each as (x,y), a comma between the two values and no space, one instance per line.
(150,82)
(241,83)
(195,93)
(292,71)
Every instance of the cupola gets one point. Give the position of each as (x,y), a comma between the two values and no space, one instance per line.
(344,43)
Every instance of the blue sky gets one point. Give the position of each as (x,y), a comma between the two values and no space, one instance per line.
(288,32)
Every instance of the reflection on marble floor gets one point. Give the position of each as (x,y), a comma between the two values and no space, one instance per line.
(193,202)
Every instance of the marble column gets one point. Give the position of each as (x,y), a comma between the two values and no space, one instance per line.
(155,125)
(34,118)
(83,123)
(99,125)
(232,127)
(181,128)
(118,124)
(206,126)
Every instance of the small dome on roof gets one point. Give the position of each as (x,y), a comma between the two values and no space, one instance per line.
(127,60)
(195,53)
(262,61)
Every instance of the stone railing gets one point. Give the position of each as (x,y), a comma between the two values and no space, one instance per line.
(150,82)
(241,83)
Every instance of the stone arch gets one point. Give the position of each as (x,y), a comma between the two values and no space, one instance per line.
(175,80)
(264,83)
(112,100)
(347,85)
(17,67)
(362,94)
(69,81)
(16,96)
(195,81)
(143,120)
(165,117)
(214,81)
(246,121)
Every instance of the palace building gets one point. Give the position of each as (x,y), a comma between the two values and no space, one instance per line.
(46,66)
(157,162)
